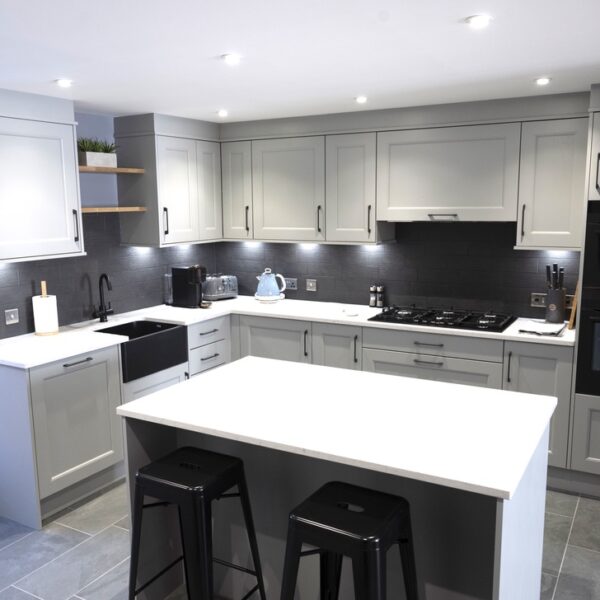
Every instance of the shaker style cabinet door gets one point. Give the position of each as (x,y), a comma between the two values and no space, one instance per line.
(76,427)
(552,183)
(450,173)
(208,157)
(177,189)
(350,187)
(594,183)
(39,190)
(288,182)
(543,369)
(337,346)
(236,161)
(585,450)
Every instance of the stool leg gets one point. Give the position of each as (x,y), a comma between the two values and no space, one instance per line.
(375,563)
(136,535)
(245,500)
(360,577)
(331,570)
(409,571)
(291,563)
(195,519)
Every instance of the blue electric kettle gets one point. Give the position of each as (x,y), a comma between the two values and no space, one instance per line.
(267,285)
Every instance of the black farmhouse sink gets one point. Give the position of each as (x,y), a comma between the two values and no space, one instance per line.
(152,347)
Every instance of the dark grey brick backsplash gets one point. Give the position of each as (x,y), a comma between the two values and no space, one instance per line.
(471,265)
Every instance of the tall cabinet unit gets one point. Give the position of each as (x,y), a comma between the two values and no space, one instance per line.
(288,183)
(236,161)
(551,183)
(594,176)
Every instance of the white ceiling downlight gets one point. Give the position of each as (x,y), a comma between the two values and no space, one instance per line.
(478,21)
(222,112)
(543,80)
(64,83)
(231,59)
(361,99)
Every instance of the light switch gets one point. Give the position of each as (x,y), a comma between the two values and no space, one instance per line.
(11,316)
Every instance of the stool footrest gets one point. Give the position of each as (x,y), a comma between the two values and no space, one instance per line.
(153,579)
(229,495)
(225,563)
(310,552)
(254,589)
(155,504)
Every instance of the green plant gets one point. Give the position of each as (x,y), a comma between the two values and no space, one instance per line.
(95,145)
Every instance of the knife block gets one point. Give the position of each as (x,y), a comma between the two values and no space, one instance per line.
(555,305)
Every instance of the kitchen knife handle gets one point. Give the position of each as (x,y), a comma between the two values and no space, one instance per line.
(75,216)
(166,219)
(598,173)
(306,342)
(428,345)
(418,361)
(508,368)
(186,375)
(355,348)
(247,219)
(78,362)
(319,219)
(369,209)
(210,357)
(523,222)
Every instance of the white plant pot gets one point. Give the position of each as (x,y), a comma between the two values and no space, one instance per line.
(97,159)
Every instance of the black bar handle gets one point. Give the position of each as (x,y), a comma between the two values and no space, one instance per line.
(186,375)
(523,221)
(166,219)
(428,345)
(369,209)
(247,218)
(319,219)
(78,362)
(209,332)
(355,348)
(76,217)
(428,362)
(598,173)
(305,342)
(210,357)
(508,368)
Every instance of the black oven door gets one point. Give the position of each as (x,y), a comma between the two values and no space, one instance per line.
(591,265)
(588,355)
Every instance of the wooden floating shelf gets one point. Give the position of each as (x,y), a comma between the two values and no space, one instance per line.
(94,210)
(122,170)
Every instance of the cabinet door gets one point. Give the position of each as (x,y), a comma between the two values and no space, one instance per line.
(77,431)
(337,346)
(236,159)
(435,368)
(585,452)
(39,190)
(208,156)
(152,383)
(275,338)
(551,183)
(594,184)
(547,370)
(350,187)
(177,189)
(288,183)
(450,173)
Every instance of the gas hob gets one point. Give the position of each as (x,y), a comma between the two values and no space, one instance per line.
(436,317)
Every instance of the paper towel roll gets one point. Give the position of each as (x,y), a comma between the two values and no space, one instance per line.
(45,315)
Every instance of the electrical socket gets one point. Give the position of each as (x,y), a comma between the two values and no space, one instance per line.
(11,316)
(539,300)
(311,285)
(291,283)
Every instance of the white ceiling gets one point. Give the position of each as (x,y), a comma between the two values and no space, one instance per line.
(300,57)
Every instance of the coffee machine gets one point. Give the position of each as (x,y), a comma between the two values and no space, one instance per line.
(187,285)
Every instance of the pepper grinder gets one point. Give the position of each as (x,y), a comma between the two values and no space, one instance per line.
(380,290)
(372,296)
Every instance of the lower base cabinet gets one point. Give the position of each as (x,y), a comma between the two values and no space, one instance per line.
(337,346)
(75,425)
(585,451)
(157,381)
(544,369)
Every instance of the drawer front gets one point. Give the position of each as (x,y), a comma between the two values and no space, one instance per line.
(208,332)
(435,344)
(209,356)
(435,368)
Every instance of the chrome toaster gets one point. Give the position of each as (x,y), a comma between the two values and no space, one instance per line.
(219,287)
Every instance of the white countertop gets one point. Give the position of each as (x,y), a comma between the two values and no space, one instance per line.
(27,351)
(470,438)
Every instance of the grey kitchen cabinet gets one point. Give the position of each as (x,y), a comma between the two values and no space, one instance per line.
(236,161)
(467,173)
(594,172)
(39,187)
(283,339)
(436,368)
(138,388)
(337,346)
(543,369)
(288,189)
(585,448)
(209,344)
(552,183)
(210,217)
(76,429)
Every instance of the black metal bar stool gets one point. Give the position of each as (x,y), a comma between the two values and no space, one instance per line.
(340,520)
(191,479)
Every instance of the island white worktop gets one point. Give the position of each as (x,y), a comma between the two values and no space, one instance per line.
(470,438)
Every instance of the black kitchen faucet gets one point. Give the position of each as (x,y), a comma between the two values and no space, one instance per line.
(103,311)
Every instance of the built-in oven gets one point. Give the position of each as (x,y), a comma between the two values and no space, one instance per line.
(591,261)
(588,351)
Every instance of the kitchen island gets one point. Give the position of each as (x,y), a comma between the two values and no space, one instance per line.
(471,462)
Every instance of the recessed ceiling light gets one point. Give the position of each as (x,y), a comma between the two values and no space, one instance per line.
(222,113)
(231,60)
(478,21)
(64,83)
(543,80)
(361,99)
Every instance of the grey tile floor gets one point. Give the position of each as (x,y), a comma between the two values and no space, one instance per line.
(83,554)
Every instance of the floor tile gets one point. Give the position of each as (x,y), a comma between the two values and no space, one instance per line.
(586,527)
(561,504)
(124,523)
(99,513)
(11,532)
(556,533)
(33,551)
(74,570)
(548,584)
(113,585)
(580,575)
(13,593)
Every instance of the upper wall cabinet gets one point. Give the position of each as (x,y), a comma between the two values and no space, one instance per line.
(552,183)
(288,182)
(594,185)
(39,189)
(236,161)
(452,173)
(210,216)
